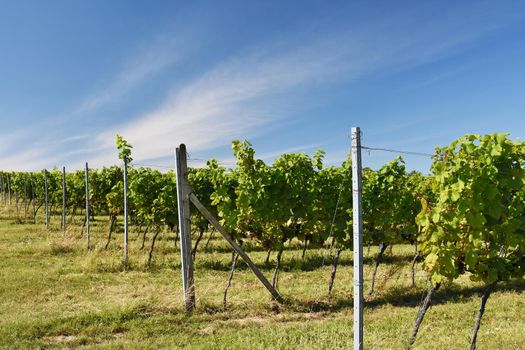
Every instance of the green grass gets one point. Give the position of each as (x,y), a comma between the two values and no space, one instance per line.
(56,294)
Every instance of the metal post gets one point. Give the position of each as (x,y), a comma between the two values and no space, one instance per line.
(25,195)
(2,186)
(87,205)
(183,204)
(358,238)
(33,197)
(4,191)
(46,199)
(9,188)
(64,200)
(125,211)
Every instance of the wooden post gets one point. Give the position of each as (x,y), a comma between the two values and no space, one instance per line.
(357,219)
(125,212)
(64,200)
(215,223)
(87,205)
(183,204)
(46,199)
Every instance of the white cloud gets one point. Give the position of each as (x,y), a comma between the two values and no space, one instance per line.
(145,65)
(248,93)
(28,160)
(241,96)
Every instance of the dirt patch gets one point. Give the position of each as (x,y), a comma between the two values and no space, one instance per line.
(254,319)
(206,330)
(61,338)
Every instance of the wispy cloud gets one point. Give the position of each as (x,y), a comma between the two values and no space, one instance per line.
(228,101)
(29,160)
(248,92)
(150,60)
(245,95)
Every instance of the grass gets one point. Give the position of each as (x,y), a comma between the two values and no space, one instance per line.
(55,294)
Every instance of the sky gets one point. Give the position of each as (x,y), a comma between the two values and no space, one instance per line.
(289,76)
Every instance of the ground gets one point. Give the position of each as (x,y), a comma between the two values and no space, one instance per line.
(56,294)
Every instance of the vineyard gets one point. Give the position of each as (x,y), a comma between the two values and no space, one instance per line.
(425,237)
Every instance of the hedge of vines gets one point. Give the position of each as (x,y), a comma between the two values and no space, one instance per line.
(467,216)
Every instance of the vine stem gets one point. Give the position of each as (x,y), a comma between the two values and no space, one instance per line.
(382,248)
(481,311)
(423,308)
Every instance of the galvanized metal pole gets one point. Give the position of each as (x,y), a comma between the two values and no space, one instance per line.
(4,192)
(33,197)
(87,205)
(9,189)
(357,219)
(125,211)
(183,204)
(64,200)
(46,199)
(25,195)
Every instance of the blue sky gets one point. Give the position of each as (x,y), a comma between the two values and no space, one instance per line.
(289,76)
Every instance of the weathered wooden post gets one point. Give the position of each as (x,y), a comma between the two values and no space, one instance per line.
(357,218)
(183,203)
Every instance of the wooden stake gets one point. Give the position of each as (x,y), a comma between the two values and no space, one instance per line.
(183,204)
(205,212)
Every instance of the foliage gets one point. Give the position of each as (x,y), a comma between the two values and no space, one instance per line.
(477,223)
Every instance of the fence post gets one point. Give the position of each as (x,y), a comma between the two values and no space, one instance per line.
(64,200)
(2,186)
(183,204)
(46,199)
(4,191)
(357,219)
(9,188)
(25,196)
(125,211)
(33,197)
(87,205)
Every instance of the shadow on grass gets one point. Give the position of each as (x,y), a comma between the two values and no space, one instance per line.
(402,297)
(311,262)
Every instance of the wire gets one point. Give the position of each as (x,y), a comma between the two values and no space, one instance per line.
(155,166)
(397,151)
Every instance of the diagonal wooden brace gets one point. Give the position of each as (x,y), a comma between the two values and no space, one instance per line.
(275,294)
